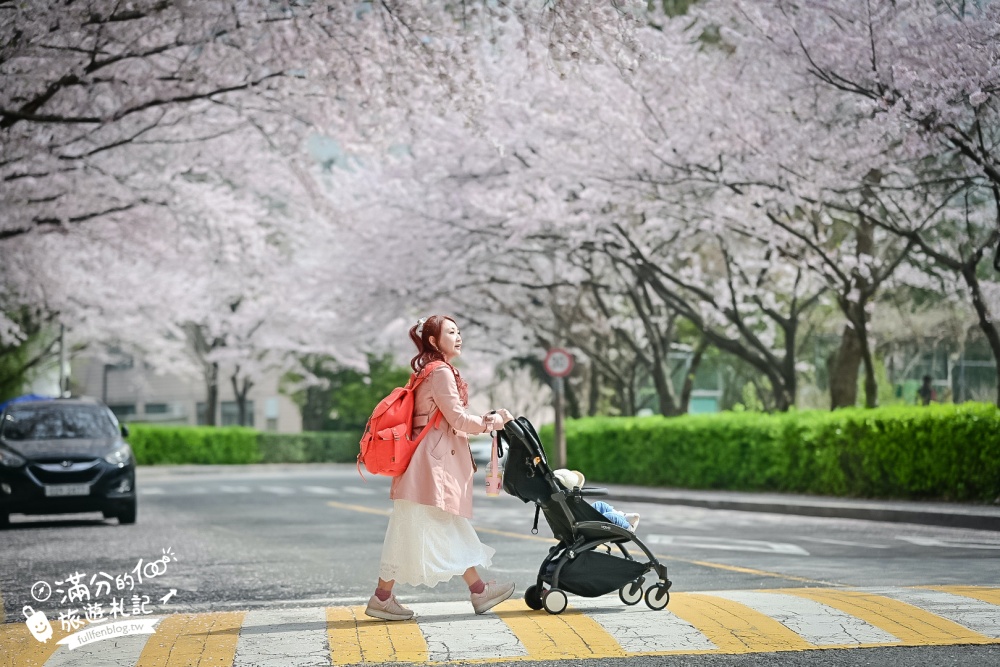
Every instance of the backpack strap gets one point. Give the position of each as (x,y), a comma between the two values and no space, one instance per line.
(434,420)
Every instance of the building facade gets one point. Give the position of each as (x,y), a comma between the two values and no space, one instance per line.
(137,394)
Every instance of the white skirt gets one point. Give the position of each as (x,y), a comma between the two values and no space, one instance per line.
(426,545)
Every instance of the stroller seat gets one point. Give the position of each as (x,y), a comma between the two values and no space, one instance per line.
(573,565)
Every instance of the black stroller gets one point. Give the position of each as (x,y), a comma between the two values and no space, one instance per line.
(574,565)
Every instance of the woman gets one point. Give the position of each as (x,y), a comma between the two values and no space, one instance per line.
(430,538)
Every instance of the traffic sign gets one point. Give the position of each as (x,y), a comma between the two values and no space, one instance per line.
(558,362)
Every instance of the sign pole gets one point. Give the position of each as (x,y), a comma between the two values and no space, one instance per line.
(558,364)
(560,432)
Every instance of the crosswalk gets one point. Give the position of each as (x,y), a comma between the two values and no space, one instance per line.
(711,622)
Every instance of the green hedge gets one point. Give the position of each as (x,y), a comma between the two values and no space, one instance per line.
(193,444)
(947,452)
(234,445)
(309,447)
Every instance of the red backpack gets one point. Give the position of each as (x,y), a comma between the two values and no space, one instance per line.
(386,447)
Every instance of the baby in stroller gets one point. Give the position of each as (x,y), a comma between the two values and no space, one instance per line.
(574,479)
(574,565)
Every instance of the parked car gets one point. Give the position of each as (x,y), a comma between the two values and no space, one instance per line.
(65,455)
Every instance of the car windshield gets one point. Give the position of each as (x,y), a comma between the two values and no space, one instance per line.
(56,423)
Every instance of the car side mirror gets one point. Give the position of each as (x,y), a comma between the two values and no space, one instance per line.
(124,431)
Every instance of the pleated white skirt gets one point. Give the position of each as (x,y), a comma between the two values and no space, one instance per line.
(425,545)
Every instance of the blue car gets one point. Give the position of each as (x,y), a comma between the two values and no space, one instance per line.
(65,455)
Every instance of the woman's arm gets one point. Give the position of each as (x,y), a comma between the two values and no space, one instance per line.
(444,391)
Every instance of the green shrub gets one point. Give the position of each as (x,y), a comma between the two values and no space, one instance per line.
(949,452)
(309,447)
(154,445)
(232,444)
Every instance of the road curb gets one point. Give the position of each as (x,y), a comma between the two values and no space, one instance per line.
(964,518)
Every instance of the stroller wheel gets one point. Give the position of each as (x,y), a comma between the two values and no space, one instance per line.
(631,593)
(657,597)
(555,601)
(532,598)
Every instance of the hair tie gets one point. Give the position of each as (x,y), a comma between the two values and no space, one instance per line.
(420,327)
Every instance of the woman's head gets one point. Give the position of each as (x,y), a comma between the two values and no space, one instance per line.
(437,338)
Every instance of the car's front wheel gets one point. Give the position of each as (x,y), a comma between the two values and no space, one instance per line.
(126,515)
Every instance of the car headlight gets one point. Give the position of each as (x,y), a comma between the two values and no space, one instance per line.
(9,459)
(120,456)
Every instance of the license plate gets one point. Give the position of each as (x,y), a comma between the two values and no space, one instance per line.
(68,490)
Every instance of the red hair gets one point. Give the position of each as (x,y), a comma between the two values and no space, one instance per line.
(420,334)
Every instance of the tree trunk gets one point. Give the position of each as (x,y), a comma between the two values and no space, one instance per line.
(211,393)
(692,370)
(985,317)
(843,370)
(593,390)
(240,392)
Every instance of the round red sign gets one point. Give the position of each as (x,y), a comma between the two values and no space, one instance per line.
(558,362)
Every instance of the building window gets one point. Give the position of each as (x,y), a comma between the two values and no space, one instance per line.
(157,408)
(123,409)
(231,414)
(201,414)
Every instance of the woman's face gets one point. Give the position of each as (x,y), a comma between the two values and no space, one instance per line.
(449,342)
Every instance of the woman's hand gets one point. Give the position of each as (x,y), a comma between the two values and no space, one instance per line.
(505,415)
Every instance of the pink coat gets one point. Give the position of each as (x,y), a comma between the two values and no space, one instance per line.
(440,472)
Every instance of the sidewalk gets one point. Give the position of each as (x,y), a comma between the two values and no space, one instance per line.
(954,515)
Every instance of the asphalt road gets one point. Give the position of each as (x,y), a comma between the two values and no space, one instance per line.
(263,540)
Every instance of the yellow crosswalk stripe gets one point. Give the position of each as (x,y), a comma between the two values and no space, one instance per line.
(356,638)
(342,631)
(912,625)
(193,640)
(989,595)
(21,649)
(733,627)
(551,637)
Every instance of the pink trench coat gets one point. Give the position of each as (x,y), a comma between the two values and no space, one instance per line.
(440,472)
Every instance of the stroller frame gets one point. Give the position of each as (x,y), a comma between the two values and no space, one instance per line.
(573,564)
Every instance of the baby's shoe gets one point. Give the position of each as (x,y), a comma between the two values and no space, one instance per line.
(389,610)
(633,520)
(491,596)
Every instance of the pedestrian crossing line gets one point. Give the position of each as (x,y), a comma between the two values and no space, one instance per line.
(990,595)
(552,637)
(969,612)
(733,627)
(910,624)
(282,638)
(194,640)
(20,649)
(374,640)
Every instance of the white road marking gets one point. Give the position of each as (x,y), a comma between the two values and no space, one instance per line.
(815,622)
(150,491)
(321,490)
(844,543)
(359,490)
(453,632)
(226,488)
(637,629)
(948,543)
(278,490)
(283,638)
(725,544)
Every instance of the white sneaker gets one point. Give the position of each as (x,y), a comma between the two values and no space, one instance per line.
(491,596)
(390,610)
(633,520)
